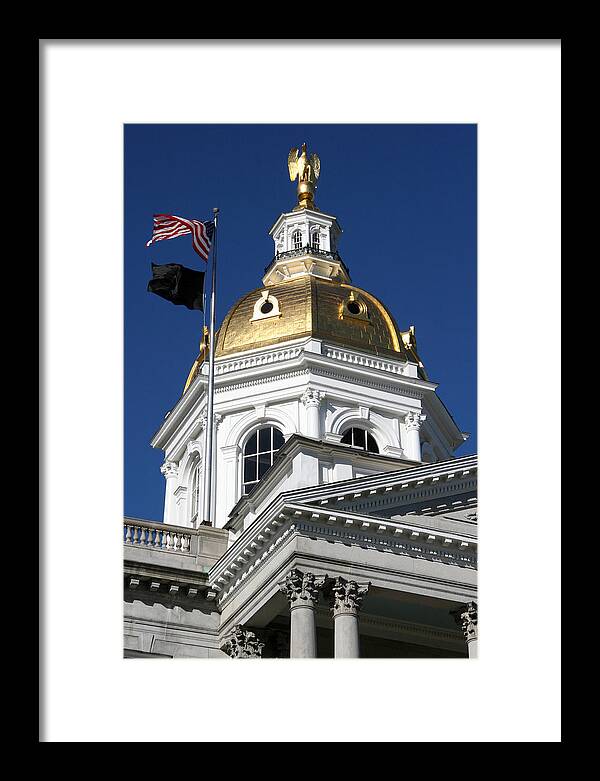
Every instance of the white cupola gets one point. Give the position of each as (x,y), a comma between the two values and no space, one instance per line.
(306,244)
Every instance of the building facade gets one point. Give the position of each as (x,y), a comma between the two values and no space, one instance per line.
(343,524)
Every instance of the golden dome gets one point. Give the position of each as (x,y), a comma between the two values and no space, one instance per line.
(310,307)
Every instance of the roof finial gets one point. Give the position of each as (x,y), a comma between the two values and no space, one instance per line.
(307,169)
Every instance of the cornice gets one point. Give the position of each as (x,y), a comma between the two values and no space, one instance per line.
(292,360)
(267,533)
(304,362)
(404,496)
(302,215)
(183,407)
(418,479)
(261,380)
(330,451)
(167,582)
(400,479)
(444,420)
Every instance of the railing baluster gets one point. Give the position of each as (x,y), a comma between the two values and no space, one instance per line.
(167,539)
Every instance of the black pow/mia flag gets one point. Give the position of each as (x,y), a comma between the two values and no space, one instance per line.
(178,284)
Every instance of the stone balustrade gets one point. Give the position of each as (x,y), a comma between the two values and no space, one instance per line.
(252,361)
(175,539)
(348,356)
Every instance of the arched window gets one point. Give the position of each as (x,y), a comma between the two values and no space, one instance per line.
(358,437)
(195,495)
(316,239)
(259,454)
(297,240)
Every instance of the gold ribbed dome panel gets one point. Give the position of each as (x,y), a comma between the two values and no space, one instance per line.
(313,307)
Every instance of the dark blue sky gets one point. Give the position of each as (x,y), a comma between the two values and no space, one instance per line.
(405,196)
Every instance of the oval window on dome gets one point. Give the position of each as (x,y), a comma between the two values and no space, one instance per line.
(259,454)
(266,306)
(355,307)
(360,438)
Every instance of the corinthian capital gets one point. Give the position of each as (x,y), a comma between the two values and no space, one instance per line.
(348,595)
(311,397)
(466,618)
(414,419)
(240,643)
(302,588)
(169,469)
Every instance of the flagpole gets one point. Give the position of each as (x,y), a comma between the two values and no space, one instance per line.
(208,439)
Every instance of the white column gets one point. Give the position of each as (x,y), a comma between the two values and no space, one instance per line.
(312,402)
(413,422)
(347,599)
(466,618)
(302,590)
(170,470)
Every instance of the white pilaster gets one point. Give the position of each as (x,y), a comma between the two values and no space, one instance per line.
(170,470)
(413,421)
(312,402)
(181,506)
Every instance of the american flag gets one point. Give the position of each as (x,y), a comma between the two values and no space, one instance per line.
(169,226)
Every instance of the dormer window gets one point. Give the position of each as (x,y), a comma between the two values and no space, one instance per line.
(297,240)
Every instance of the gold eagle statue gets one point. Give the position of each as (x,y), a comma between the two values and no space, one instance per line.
(307,169)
